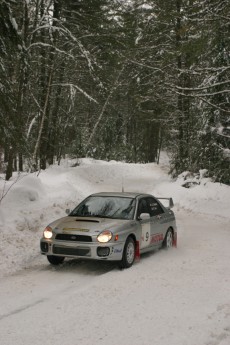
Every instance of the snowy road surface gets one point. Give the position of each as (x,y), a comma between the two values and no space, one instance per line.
(177,297)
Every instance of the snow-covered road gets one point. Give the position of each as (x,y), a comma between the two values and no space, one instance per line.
(177,297)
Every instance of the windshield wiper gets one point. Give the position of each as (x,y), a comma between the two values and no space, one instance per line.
(89,216)
(101,216)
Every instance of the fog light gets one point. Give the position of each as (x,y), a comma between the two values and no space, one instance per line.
(103,251)
(44,247)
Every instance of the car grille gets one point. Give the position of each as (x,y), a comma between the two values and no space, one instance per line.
(75,238)
(71,251)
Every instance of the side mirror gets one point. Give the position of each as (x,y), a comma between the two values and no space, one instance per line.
(67,211)
(144,216)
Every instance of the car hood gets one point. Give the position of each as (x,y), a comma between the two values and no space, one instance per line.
(86,225)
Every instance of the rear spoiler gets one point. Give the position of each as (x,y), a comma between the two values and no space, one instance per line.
(168,204)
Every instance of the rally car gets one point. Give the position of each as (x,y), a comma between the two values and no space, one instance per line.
(111,226)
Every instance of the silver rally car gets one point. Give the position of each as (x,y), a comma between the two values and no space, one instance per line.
(111,226)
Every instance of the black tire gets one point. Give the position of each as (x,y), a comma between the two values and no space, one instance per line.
(55,260)
(168,240)
(128,256)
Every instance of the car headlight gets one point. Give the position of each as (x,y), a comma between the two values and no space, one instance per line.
(104,236)
(48,233)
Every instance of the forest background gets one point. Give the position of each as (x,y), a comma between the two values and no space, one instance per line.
(115,80)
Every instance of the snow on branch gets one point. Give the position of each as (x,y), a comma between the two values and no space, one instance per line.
(204,100)
(144,65)
(201,94)
(213,69)
(78,88)
(114,87)
(84,51)
(69,35)
(41,44)
(204,87)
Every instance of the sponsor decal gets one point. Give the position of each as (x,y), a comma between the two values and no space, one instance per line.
(156,238)
(75,229)
(117,250)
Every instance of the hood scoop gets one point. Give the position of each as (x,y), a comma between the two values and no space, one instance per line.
(87,220)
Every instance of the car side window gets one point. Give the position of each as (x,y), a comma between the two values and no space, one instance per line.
(142,207)
(154,207)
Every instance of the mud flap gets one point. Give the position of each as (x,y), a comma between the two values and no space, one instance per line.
(137,251)
(175,240)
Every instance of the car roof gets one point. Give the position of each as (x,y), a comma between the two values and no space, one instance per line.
(121,194)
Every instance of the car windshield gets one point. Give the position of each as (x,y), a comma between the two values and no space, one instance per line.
(106,207)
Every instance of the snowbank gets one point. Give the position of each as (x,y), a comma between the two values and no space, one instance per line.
(35,200)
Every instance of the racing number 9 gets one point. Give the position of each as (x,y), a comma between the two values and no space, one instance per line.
(147,236)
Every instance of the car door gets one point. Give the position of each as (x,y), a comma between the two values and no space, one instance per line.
(157,222)
(144,223)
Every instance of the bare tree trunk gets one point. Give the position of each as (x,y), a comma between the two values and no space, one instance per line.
(179,66)
(20,162)
(114,87)
(9,169)
(44,113)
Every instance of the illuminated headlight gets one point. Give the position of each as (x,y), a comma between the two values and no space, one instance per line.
(104,236)
(48,232)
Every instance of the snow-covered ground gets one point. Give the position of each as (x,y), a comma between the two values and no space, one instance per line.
(176,297)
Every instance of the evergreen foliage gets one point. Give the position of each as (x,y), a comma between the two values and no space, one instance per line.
(115,80)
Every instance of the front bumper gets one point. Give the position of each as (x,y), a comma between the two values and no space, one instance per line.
(94,250)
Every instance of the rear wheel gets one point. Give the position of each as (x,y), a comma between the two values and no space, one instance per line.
(168,240)
(128,253)
(55,260)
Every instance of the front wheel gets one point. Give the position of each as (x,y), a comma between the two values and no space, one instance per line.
(168,240)
(55,260)
(128,253)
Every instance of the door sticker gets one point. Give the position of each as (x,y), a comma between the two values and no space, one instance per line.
(145,235)
(156,238)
